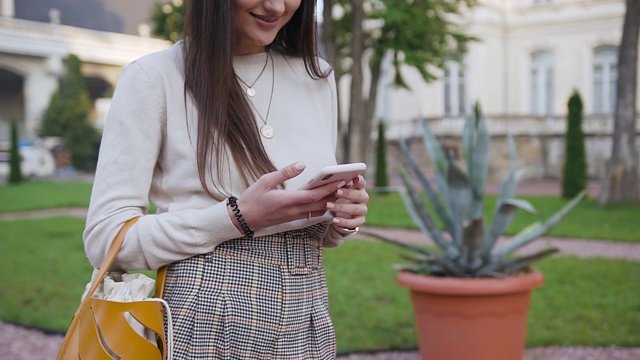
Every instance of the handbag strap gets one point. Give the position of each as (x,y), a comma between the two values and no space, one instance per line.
(160,276)
(114,249)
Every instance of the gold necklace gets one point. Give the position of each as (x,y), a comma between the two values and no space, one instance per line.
(251,92)
(266,130)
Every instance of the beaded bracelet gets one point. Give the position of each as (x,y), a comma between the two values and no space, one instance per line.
(232,201)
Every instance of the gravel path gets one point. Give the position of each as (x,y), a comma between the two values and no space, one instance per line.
(22,343)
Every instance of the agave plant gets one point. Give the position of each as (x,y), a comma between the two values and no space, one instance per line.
(466,247)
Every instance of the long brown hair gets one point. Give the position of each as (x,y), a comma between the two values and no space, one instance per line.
(225,119)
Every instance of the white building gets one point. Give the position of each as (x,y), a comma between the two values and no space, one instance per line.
(31,63)
(531,55)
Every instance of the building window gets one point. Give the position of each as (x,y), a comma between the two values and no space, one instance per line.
(542,83)
(605,77)
(455,94)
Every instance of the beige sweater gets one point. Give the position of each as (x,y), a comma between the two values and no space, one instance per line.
(148,155)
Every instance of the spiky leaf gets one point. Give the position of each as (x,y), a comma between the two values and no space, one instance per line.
(433,197)
(433,147)
(502,219)
(478,161)
(473,235)
(524,262)
(422,217)
(460,193)
(533,232)
(431,258)
(508,188)
(442,169)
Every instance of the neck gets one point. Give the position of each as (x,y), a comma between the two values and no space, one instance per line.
(244,50)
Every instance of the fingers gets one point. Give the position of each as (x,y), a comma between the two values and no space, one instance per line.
(353,195)
(359,182)
(348,210)
(349,223)
(351,206)
(315,200)
(271,180)
(349,215)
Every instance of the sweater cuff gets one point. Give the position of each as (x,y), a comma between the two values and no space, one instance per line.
(214,222)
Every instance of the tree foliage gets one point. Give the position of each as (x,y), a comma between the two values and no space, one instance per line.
(418,34)
(15,172)
(574,174)
(168,20)
(67,116)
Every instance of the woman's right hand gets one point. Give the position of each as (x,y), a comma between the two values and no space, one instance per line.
(264,204)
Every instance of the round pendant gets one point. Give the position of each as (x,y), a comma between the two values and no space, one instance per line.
(251,92)
(266,131)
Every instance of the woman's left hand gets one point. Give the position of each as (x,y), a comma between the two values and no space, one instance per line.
(351,206)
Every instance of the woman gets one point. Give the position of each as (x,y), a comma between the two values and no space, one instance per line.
(216,132)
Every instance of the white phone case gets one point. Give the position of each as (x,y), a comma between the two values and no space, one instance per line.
(329,174)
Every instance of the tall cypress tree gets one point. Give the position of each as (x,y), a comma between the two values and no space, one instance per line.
(574,174)
(15,172)
(381,158)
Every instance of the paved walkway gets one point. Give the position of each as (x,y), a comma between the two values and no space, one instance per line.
(20,343)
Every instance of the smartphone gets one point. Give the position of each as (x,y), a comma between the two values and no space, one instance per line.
(343,172)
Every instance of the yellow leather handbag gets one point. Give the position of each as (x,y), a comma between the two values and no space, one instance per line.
(102,329)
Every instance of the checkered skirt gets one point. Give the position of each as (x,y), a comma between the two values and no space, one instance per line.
(261,298)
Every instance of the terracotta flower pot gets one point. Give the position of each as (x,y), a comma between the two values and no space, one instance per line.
(479,319)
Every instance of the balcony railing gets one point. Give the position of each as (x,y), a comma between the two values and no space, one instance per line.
(502,124)
(32,38)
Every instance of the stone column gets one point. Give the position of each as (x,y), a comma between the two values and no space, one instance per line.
(7,8)
(38,87)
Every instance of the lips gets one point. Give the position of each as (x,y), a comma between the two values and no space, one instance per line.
(266,19)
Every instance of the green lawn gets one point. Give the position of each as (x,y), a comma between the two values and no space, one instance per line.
(44,270)
(34,195)
(584,302)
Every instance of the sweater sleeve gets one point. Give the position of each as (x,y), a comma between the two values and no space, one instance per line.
(128,161)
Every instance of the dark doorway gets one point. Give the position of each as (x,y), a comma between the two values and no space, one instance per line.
(11,101)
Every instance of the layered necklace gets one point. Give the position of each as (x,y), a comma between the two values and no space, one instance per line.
(266,130)
(251,92)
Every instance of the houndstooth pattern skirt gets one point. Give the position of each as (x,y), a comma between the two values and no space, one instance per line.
(261,298)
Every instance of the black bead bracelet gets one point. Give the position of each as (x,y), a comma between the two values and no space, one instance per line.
(233,202)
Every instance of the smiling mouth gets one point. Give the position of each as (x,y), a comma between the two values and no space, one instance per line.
(267,19)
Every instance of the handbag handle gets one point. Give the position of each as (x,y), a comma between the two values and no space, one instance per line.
(114,249)
(160,275)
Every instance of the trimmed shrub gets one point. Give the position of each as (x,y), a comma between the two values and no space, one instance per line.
(574,173)
(68,117)
(382,178)
(15,172)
